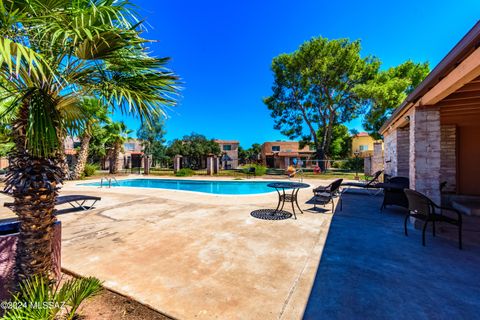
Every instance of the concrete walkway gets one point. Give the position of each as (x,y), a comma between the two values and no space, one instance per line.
(370,270)
(196,256)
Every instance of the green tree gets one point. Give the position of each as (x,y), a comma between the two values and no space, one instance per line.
(95,112)
(341,142)
(314,87)
(117,134)
(251,154)
(388,90)
(53,53)
(153,141)
(193,148)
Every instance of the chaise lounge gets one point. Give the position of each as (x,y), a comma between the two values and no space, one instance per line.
(75,201)
(370,184)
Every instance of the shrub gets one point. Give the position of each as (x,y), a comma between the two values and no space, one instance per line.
(185,172)
(90,169)
(38,298)
(352,164)
(259,169)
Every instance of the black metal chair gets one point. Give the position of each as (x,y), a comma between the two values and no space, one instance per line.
(251,172)
(422,208)
(326,194)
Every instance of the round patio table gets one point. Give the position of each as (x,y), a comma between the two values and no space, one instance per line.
(283,196)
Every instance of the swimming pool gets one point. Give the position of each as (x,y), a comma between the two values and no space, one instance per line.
(207,186)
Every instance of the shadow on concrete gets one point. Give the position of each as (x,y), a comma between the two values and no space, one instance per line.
(370,270)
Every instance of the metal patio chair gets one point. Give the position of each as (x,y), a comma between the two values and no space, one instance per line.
(422,208)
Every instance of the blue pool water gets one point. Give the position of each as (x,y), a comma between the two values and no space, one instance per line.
(215,187)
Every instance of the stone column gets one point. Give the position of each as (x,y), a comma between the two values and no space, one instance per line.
(216,165)
(367,165)
(377,157)
(390,159)
(210,165)
(177,163)
(424,171)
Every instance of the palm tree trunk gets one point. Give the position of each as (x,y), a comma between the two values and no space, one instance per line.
(82,156)
(34,183)
(116,156)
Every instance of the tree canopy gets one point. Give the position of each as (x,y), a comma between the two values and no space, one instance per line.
(314,88)
(249,155)
(387,90)
(193,147)
(153,139)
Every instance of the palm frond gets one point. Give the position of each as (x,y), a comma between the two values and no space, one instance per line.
(15,57)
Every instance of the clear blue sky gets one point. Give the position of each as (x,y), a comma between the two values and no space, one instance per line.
(222,50)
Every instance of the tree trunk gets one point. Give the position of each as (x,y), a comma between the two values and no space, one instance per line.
(34,183)
(62,161)
(146,164)
(82,157)
(320,153)
(116,156)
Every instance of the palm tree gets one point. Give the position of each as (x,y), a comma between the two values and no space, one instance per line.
(95,113)
(117,135)
(53,53)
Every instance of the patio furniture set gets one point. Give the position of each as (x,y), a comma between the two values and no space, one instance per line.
(395,192)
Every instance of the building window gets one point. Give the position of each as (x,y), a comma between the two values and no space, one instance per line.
(129,146)
(275,148)
(363,147)
(227,147)
(76,144)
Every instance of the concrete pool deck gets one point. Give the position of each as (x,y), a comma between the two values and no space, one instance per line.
(202,256)
(192,255)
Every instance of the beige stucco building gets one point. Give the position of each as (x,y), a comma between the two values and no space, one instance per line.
(280,154)
(362,144)
(229,156)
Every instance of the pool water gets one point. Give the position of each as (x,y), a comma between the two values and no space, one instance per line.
(215,187)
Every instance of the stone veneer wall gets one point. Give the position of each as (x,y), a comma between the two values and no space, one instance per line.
(377,158)
(390,158)
(448,156)
(425,151)
(403,151)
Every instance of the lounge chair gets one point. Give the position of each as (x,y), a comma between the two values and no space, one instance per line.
(369,184)
(422,208)
(76,201)
(326,194)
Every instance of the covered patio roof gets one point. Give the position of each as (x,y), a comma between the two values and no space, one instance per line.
(453,83)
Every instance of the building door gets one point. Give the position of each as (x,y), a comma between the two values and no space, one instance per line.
(270,162)
(136,160)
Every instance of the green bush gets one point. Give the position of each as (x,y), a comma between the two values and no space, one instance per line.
(38,298)
(351,164)
(259,169)
(185,172)
(90,169)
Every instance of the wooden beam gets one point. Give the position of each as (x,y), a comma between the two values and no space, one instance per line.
(462,96)
(465,72)
(458,109)
(464,102)
(469,87)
